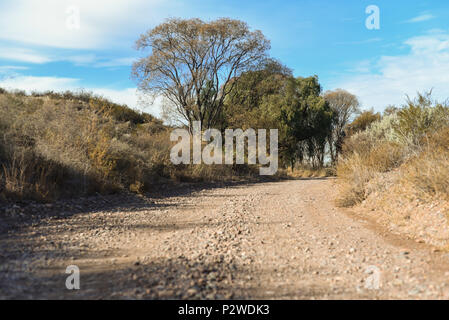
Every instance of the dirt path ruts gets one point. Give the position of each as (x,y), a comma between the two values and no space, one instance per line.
(275,240)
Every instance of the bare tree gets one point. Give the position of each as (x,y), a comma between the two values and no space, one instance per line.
(344,105)
(194,64)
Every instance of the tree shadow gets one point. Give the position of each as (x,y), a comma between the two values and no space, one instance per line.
(161,279)
(19,215)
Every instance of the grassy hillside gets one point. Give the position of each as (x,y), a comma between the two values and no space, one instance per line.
(66,144)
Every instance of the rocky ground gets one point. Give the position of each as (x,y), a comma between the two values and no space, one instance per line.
(272,240)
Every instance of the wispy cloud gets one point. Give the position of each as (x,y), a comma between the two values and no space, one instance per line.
(116,62)
(10,68)
(82,59)
(35,56)
(365,41)
(389,79)
(23,55)
(420,18)
(101,22)
(33,83)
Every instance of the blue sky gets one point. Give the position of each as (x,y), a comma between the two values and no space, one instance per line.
(410,52)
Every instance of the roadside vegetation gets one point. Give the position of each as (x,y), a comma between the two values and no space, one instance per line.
(68,144)
(413,140)
(397,166)
(63,144)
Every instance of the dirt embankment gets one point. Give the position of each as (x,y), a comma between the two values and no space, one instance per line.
(405,211)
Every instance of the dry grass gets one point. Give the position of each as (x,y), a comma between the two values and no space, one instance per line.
(55,145)
(309,172)
(363,163)
(429,172)
(414,141)
(398,171)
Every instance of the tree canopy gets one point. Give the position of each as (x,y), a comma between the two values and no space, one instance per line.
(219,73)
(194,64)
(273,98)
(344,106)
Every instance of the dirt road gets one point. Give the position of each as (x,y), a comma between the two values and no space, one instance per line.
(274,240)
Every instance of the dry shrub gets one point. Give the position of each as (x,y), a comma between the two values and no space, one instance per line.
(304,171)
(79,134)
(27,176)
(360,143)
(354,176)
(68,144)
(214,173)
(386,156)
(429,172)
(416,135)
(361,163)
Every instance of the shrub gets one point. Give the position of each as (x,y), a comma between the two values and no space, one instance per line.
(429,172)
(354,176)
(363,163)
(68,144)
(27,176)
(384,129)
(414,139)
(418,119)
(84,141)
(363,121)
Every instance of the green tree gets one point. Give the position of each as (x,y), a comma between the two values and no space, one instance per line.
(303,118)
(271,98)
(308,118)
(242,106)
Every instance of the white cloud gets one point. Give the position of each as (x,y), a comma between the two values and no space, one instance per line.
(359,42)
(24,55)
(363,66)
(32,56)
(32,83)
(80,59)
(391,78)
(101,22)
(128,96)
(421,18)
(11,68)
(116,62)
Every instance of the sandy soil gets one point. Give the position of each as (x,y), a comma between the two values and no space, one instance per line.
(272,240)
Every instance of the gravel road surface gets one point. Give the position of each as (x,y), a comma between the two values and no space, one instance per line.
(271,240)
